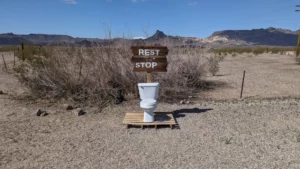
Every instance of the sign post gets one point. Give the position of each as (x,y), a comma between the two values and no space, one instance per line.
(149,59)
(149,77)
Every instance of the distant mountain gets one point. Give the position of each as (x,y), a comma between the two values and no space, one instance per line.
(227,38)
(38,39)
(11,39)
(157,36)
(268,37)
(45,39)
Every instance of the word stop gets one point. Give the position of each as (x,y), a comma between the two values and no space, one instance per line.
(145,65)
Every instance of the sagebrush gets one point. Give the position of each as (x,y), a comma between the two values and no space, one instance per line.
(99,75)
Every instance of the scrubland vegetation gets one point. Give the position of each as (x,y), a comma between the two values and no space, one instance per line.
(100,75)
(232,133)
(255,51)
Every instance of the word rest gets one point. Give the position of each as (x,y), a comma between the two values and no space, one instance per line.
(148,52)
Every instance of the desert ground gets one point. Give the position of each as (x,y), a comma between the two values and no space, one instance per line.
(267,76)
(216,130)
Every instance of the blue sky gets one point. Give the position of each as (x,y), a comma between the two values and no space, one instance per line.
(137,18)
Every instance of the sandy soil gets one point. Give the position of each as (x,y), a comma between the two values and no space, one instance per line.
(262,133)
(267,76)
(8,83)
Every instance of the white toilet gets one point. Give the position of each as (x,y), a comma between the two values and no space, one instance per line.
(148,94)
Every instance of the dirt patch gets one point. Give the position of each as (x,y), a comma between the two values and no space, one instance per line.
(8,81)
(243,134)
(261,133)
(267,76)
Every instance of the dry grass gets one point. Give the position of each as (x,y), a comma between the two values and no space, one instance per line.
(267,76)
(230,134)
(99,75)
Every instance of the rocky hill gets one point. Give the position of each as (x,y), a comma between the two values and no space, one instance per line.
(227,38)
(267,37)
(158,35)
(38,39)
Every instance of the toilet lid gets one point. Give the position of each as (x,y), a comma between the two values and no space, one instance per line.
(148,103)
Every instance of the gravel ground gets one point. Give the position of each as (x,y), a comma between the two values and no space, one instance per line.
(249,133)
(242,134)
(267,76)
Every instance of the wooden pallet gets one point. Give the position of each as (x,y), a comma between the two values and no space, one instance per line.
(160,119)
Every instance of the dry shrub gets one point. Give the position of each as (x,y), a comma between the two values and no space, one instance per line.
(254,50)
(297,60)
(187,68)
(99,75)
(95,75)
(213,65)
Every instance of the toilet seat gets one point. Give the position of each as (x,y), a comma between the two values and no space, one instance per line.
(148,104)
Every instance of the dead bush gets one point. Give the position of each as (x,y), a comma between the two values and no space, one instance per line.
(297,60)
(213,65)
(93,75)
(187,69)
(98,75)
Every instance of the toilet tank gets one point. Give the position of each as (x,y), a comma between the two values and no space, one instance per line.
(148,90)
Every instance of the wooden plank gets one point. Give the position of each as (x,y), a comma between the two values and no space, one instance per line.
(163,50)
(160,67)
(152,123)
(151,70)
(161,119)
(149,59)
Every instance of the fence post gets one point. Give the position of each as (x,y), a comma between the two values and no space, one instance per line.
(243,84)
(14,58)
(4,62)
(22,46)
(80,68)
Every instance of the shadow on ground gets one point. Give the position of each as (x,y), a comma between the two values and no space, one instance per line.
(182,112)
(213,84)
(222,75)
(171,95)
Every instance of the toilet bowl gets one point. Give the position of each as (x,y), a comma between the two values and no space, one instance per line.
(148,95)
(148,106)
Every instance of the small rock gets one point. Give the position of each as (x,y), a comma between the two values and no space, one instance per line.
(120,97)
(188,102)
(44,114)
(1,92)
(182,102)
(67,107)
(12,114)
(79,112)
(41,113)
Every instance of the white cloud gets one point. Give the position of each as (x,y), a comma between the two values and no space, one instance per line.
(72,2)
(135,1)
(193,3)
(139,37)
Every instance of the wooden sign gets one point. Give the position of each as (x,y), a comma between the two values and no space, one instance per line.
(150,67)
(149,58)
(149,50)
